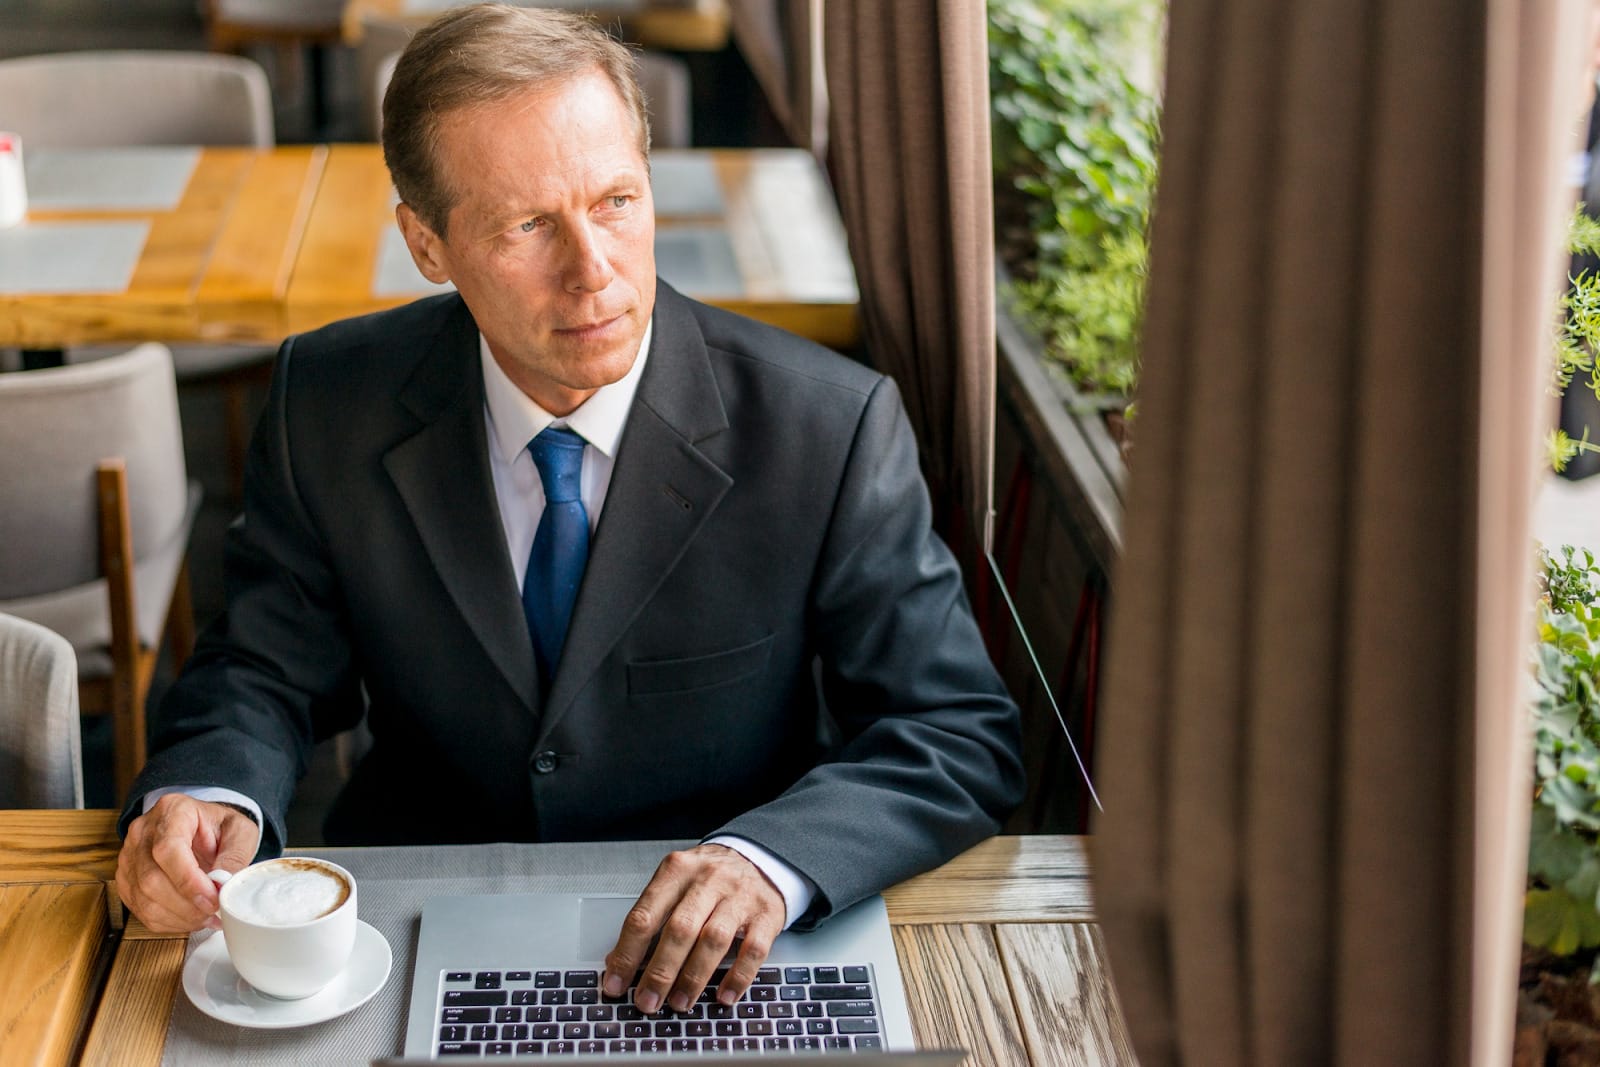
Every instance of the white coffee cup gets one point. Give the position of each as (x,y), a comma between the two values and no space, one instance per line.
(13,186)
(289,924)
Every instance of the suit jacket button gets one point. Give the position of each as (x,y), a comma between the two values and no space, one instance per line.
(545,762)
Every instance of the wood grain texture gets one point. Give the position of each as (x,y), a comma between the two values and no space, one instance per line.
(131,1025)
(1061,982)
(240,216)
(58,846)
(958,992)
(51,937)
(1003,879)
(699,27)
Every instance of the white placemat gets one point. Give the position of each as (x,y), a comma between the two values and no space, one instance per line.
(108,179)
(698,260)
(394,884)
(685,183)
(70,257)
(396,274)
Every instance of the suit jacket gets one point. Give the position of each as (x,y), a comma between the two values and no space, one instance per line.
(769,641)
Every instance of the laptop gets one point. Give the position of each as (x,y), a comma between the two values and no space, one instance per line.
(517,975)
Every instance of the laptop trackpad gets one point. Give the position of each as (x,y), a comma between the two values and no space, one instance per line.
(599,923)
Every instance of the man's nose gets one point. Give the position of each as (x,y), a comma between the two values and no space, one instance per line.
(588,266)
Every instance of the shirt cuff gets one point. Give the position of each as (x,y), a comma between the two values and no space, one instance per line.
(214,794)
(796,888)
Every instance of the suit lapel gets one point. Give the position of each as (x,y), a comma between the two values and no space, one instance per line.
(663,488)
(442,473)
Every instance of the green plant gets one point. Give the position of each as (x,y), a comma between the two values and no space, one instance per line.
(1578,337)
(1562,908)
(1075,145)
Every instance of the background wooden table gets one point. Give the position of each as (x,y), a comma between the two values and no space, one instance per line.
(701,26)
(781,281)
(216,267)
(998,948)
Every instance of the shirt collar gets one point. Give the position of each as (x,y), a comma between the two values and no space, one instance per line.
(514,418)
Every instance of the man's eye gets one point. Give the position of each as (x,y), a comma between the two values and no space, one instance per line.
(530,225)
(619,201)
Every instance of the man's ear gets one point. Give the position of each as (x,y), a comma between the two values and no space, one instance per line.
(427,249)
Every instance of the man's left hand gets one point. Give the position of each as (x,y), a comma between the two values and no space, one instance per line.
(699,901)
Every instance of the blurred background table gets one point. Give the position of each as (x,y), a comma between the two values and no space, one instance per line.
(213,264)
(752,230)
(678,25)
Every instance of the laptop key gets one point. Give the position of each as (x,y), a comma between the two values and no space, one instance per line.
(653,1044)
(546,1031)
(763,992)
(530,1048)
(547,979)
(487,980)
(624,1045)
(790,1027)
(582,979)
(825,975)
(747,1044)
(780,1010)
(591,1046)
(452,1033)
(514,1032)
(839,1008)
(460,998)
(464,1015)
(550,996)
(569,1014)
(719,1011)
(776,1044)
(460,1048)
(797,975)
(508,1015)
(700,1028)
(497,1048)
(484,1032)
(586,996)
(541,1014)
(791,992)
(669,1028)
(575,1032)
(758,1028)
(856,974)
(684,1044)
(836,1041)
(808,1044)
(869,1042)
(458,976)
(519,976)
(628,1013)
(808,1010)
(714,1044)
(858,1026)
(638,1029)
(524,996)
(768,976)
(854,991)
(746,1010)
(607,1031)
(729,1029)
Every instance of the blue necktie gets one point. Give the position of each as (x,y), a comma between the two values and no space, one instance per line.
(560,546)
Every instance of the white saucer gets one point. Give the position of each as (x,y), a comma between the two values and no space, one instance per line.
(216,988)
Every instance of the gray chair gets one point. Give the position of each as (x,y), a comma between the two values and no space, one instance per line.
(41,756)
(95,514)
(114,99)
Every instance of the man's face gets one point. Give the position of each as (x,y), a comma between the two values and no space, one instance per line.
(551,241)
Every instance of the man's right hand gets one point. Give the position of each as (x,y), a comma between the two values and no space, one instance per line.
(162,869)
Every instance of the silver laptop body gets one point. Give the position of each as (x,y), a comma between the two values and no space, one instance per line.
(482,952)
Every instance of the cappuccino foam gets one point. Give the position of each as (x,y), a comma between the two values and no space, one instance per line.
(286,892)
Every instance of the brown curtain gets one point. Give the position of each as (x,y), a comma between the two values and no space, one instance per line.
(909,155)
(782,42)
(1309,763)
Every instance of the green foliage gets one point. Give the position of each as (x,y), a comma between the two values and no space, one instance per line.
(1578,337)
(1562,909)
(1076,141)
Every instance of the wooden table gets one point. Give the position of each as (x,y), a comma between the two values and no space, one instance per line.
(793,265)
(700,26)
(998,947)
(216,267)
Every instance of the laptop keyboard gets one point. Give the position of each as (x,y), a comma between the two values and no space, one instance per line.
(554,1013)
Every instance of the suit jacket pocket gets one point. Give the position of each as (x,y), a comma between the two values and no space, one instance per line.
(684,675)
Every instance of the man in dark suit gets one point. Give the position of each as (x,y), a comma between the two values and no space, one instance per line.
(769,650)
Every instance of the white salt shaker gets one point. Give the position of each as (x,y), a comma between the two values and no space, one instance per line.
(13,187)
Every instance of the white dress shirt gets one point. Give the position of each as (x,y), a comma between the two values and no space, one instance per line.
(512,419)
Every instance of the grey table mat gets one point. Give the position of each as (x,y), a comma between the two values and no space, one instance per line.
(394,883)
(685,183)
(696,259)
(70,257)
(108,179)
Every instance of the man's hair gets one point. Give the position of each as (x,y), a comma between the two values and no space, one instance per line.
(483,53)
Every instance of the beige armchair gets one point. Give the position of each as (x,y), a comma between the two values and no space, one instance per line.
(95,515)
